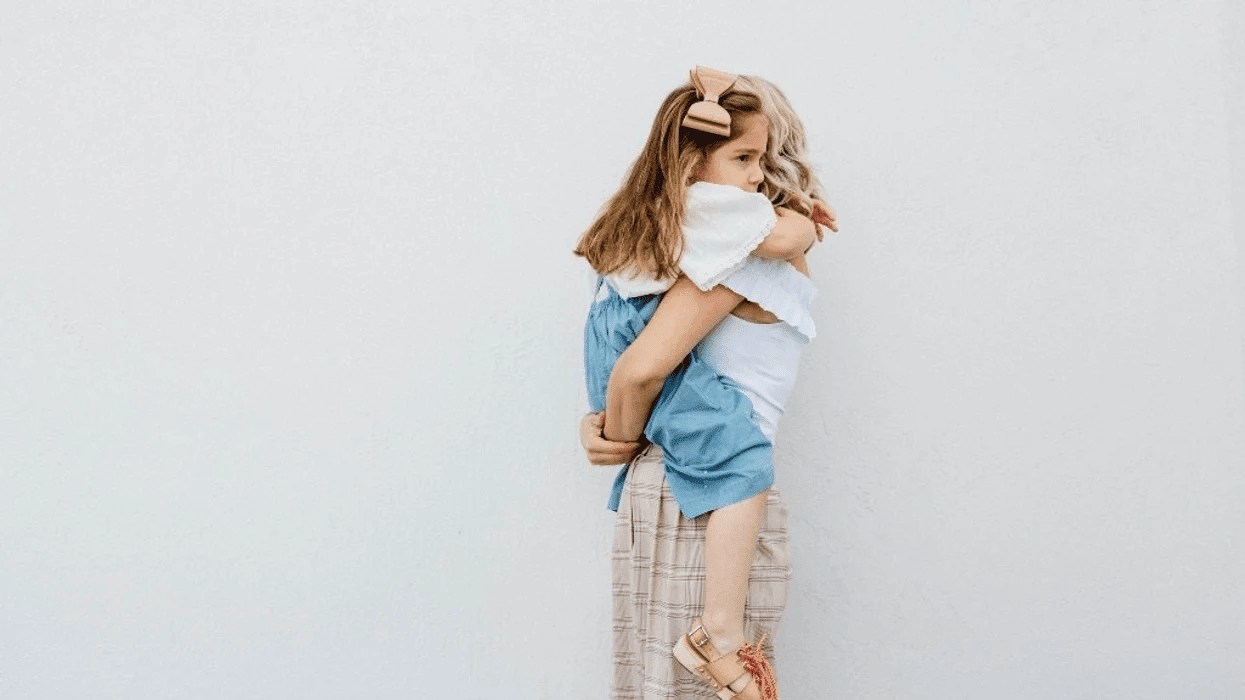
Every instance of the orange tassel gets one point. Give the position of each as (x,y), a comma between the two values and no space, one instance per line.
(762,673)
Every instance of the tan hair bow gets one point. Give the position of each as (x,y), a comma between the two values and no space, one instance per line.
(708,115)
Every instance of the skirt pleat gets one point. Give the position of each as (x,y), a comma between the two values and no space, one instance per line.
(658,569)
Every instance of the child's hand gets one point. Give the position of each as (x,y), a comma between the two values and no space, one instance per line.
(825,216)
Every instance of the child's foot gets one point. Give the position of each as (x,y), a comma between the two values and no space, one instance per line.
(740,673)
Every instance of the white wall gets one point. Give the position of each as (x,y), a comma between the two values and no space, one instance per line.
(1231,31)
(289,345)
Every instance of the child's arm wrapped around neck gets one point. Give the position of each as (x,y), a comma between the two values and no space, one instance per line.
(793,234)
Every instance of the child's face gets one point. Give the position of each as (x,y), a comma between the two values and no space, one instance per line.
(738,162)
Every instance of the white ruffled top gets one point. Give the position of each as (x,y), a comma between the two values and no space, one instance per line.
(722,226)
(778,288)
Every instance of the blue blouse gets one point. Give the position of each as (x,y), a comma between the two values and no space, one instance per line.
(714,452)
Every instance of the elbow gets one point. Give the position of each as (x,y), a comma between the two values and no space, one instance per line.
(791,236)
(635,375)
(792,245)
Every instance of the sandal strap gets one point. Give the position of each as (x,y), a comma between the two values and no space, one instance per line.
(701,643)
(727,672)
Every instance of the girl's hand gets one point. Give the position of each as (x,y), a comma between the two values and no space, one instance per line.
(599,450)
(825,216)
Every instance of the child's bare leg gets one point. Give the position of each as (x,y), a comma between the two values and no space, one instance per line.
(730,540)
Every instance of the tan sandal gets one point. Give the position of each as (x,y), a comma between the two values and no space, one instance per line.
(730,674)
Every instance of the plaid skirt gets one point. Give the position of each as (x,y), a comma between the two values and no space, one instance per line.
(658,584)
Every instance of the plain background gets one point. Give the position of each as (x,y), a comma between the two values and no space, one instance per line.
(290,345)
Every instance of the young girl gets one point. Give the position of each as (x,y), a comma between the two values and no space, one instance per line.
(691,205)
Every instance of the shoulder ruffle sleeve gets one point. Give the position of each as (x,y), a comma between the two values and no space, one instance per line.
(778,288)
(721,227)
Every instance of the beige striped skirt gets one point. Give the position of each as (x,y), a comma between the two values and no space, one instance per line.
(658,580)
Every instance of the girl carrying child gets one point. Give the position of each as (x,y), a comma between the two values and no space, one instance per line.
(692,344)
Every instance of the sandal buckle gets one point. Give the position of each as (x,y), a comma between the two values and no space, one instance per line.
(700,640)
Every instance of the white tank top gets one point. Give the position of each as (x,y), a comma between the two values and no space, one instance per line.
(762,358)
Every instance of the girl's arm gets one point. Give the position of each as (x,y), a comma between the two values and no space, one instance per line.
(793,238)
(792,235)
(684,317)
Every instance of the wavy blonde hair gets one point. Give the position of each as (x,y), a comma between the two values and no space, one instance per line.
(641,226)
(790,179)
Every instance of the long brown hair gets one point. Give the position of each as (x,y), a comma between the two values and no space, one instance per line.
(641,225)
